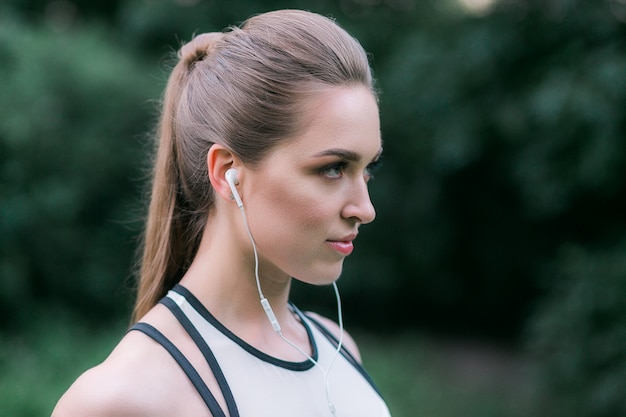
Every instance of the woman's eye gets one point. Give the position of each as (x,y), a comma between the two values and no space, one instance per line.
(339,169)
(372,168)
(334,171)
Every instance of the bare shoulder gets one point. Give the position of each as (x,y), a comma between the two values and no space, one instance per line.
(124,385)
(333,327)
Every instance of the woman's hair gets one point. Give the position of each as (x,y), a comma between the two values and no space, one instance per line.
(245,89)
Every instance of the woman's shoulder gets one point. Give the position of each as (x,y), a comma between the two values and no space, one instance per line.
(335,330)
(135,380)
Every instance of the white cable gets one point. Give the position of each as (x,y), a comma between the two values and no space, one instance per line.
(325,372)
(272,318)
(256,255)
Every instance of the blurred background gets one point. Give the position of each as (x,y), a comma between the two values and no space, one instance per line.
(493,282)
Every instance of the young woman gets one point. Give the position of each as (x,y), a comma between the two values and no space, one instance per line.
(268,136)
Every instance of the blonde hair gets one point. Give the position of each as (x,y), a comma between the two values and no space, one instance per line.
(244,89)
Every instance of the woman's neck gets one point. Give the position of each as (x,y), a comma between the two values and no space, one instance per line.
(222,277)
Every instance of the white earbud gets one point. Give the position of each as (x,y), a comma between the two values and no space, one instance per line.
(231,178)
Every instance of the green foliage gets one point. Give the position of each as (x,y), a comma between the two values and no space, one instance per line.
(506,139)
(579,334)
(73,107)
(422,377)
(41,362)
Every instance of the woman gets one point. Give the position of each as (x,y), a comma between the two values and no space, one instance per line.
(267,140)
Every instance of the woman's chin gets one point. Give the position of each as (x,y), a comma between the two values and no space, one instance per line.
(322,279)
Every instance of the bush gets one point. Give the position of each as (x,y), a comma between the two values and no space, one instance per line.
(578,335)
(73,106)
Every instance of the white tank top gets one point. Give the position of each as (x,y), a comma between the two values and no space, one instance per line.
(264,386)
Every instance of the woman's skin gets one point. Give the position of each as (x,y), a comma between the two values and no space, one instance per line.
(304,202)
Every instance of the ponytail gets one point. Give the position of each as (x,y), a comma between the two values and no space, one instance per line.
(172,233)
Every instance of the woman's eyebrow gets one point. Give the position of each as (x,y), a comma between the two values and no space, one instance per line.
(344,154)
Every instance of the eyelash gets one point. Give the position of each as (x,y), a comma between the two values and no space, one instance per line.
(342,165)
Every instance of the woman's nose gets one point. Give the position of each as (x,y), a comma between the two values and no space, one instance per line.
(359,205)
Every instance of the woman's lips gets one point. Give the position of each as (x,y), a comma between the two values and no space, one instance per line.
(343,247)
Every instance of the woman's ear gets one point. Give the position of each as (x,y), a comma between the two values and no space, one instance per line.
(220,160)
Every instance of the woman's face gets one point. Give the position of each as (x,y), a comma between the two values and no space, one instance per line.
(307,199)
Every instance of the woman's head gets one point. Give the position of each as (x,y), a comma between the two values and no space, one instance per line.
(245,89)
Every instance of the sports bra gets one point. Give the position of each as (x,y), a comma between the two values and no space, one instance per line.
(255,384)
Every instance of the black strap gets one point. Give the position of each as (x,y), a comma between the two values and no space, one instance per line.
(185,365)
(344,351)
(206,315)
(206,352)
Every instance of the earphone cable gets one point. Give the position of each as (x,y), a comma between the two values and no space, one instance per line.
(276,325)
(256,255)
